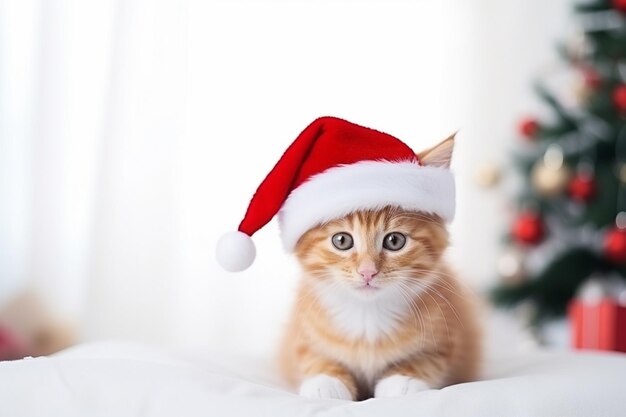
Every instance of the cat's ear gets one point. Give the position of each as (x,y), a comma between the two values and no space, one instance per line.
(439,155)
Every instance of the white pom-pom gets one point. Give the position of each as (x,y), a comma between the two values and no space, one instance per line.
(235,251)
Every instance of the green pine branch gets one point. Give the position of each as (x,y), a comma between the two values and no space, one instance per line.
(551,290)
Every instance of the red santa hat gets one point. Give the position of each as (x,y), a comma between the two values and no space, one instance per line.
(334,168)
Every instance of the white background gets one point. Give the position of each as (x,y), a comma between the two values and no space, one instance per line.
(133,133)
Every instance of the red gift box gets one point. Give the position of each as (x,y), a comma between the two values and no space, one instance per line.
(598,324)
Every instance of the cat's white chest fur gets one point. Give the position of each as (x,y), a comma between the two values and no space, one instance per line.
(369,318)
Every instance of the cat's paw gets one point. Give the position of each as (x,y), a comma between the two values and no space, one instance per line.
(399,385)
(324,387)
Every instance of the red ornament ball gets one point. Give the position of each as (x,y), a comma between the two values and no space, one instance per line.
(528,228)
(528,127)
(615,245)
(619,97)
(620,5)
(582,188)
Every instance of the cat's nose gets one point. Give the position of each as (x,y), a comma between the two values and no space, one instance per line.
(368,273)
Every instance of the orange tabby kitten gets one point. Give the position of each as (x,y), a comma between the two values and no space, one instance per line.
(378,311)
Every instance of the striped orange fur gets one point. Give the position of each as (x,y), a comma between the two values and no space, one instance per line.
(415,328)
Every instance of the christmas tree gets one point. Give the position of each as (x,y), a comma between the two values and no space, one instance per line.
(570,221)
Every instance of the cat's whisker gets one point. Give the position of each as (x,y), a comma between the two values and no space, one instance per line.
(452,308)
(447,288)
(439,282)
(414,308)
(428,286)
(408,294)
(430,319)
(443,315)
(409,303)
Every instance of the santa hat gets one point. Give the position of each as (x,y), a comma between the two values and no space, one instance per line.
(332,169)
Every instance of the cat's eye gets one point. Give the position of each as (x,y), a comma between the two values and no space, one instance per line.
(394,241)
(342,241)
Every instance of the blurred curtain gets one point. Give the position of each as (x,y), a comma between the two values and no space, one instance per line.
(92,103)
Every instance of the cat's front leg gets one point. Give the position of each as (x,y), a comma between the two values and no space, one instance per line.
(397,385)
(411,376)
(325,379)
(324,386)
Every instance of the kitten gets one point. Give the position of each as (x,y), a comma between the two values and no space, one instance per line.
(378,310)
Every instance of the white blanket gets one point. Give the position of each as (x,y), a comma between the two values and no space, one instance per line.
(116,380)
